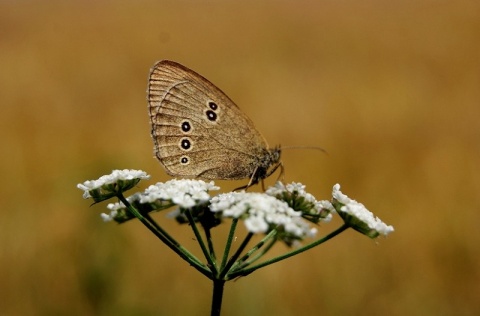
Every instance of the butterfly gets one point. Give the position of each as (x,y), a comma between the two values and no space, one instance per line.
(199,132)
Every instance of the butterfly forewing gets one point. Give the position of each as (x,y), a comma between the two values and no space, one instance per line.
(197,130)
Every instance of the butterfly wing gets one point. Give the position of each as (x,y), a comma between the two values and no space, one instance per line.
(197,130)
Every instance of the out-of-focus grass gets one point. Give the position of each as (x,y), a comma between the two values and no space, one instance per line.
(390,89)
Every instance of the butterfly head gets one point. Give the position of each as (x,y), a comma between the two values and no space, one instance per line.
(269,163)
(274,155)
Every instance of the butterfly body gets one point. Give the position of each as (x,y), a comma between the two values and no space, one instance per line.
(199,132)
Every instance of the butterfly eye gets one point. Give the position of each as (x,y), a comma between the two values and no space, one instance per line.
(186,126)
(212,116)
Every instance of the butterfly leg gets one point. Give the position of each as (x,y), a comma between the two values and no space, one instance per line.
(253,180)
(282,171)
(263,185)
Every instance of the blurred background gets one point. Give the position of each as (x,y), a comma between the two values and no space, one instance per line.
(391,89)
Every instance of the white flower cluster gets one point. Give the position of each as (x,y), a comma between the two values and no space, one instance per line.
(115,176)
(299,189)
(279,188)
(261,211)
(185,193)
(115,208)
(360,212)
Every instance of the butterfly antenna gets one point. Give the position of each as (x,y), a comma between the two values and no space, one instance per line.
(306,147)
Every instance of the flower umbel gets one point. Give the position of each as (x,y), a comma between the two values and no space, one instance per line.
(184,193)
(119,212)
(262,213)
(282,213)
(111,185)
(296,197)
(357,216)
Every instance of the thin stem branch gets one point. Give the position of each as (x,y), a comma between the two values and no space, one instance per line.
(235,256)
(244,272)
(211,248)
(258,256)
(173,242)
(228,246)
(240,262)
(211,263)
(170,242)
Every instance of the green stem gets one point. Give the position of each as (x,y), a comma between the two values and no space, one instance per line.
(170,242)
(235,256)
(212,264)
(258,256)
(240,263)
(228,246)
(211,249)
(244,272)
(217,297)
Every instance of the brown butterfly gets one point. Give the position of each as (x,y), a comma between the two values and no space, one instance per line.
(199,132)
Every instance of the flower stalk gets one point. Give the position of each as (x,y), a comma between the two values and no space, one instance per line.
(284,213)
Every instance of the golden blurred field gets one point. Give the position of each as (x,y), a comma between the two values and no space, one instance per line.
(391,89)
